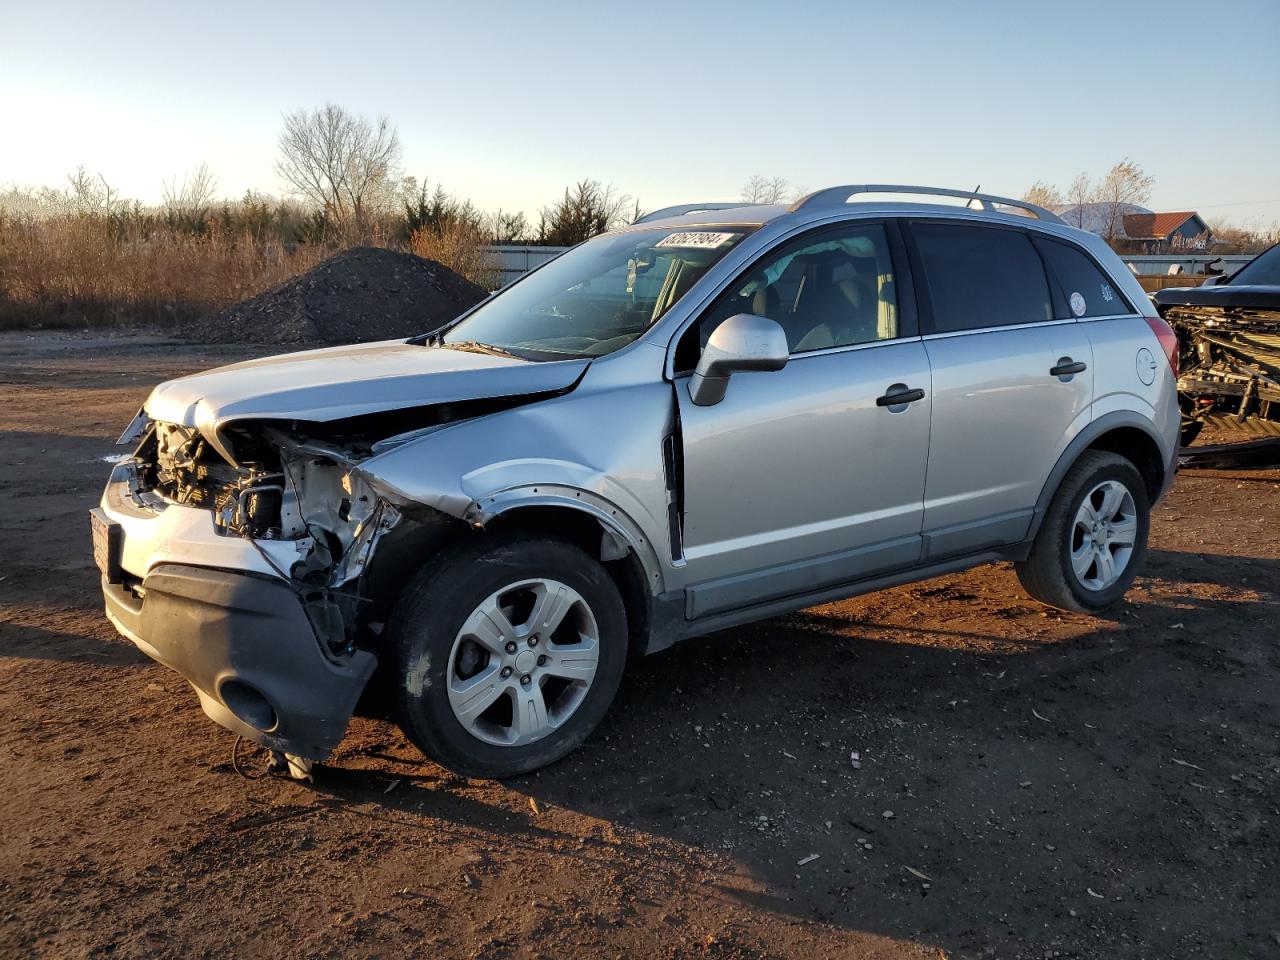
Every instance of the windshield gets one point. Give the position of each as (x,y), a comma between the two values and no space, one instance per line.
(597,297)
(1264,269)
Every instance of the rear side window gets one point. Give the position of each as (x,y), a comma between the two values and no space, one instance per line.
(981,276)
(1085,290)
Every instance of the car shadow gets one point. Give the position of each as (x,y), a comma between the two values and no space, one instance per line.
(24,641)
(934,781)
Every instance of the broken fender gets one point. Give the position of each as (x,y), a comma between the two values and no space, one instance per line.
(552,453)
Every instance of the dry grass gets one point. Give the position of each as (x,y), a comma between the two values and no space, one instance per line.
(95,271)
(74,273)
(460,247)
(78,272)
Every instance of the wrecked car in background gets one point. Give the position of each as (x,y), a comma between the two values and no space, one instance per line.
(717,414)
(1229,331)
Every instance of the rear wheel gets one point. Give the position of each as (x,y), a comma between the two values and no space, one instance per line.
(509,653)
(1093,538)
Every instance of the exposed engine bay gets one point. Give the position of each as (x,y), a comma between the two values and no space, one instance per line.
(285,486)
(247,500)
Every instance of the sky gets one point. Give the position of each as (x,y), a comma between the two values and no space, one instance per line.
(507,103)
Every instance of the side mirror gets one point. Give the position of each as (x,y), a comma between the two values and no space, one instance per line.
(743,342)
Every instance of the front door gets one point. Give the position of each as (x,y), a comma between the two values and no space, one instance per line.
(808,476)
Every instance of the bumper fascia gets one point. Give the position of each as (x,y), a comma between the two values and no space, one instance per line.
(221,630)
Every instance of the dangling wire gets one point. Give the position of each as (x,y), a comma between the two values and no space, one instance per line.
(235,762)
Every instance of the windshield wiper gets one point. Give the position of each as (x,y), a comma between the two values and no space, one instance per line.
(475,346)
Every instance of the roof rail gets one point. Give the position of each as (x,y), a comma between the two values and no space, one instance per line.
(833,196)
(681,209)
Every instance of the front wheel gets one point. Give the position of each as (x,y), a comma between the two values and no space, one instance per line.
(1093,538)
(509,653)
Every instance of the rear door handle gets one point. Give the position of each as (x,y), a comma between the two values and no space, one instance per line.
(1066,367)
(899,394)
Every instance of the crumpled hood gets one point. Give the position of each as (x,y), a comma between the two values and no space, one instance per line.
(339,382)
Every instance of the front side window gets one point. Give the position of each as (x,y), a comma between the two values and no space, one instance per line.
(981,276)
(597,297)
(833,289)
(1085,290)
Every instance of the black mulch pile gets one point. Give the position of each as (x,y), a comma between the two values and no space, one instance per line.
(365,293)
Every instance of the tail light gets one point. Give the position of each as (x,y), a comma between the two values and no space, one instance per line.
(1168,341)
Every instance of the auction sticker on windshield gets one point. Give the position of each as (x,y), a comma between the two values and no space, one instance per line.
(699,239)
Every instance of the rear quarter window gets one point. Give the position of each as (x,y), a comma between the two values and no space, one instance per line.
(980,276)
(1085,291)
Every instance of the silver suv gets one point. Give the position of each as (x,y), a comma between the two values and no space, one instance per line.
(717,414)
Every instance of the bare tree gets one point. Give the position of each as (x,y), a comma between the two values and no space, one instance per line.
(1252,237)
(587,209)
(1078,194)
(344,163)
(191,200)
(1043,195)
(760,189)
(1125,185)
(89,194)
(509,227)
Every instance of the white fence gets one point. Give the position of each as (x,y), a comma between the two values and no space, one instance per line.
(1192,264)
(517,261)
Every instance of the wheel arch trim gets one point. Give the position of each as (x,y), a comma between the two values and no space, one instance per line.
(1086,438)
(613,519)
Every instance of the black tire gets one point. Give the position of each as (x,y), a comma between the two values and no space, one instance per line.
(433,609)
(1047,573)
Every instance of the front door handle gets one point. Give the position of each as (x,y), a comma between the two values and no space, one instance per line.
(1067,367)
(899,394)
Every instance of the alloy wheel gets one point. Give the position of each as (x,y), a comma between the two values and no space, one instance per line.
(1103,535)
(522,662)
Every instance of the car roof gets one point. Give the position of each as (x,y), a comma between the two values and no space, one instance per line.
(855,200)
(761,214)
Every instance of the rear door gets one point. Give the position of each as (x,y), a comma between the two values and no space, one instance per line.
(1129,368)
(1012,380)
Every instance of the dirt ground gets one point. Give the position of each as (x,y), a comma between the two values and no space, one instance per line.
(1027,783)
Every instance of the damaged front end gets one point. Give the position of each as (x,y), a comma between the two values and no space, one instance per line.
(259,561)
(282,485)
(246,544)
(280,638)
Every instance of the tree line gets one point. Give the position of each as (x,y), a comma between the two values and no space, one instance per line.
(82,254)
(1101,205)
(345,185)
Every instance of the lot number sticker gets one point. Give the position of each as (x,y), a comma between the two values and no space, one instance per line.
(704,240)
